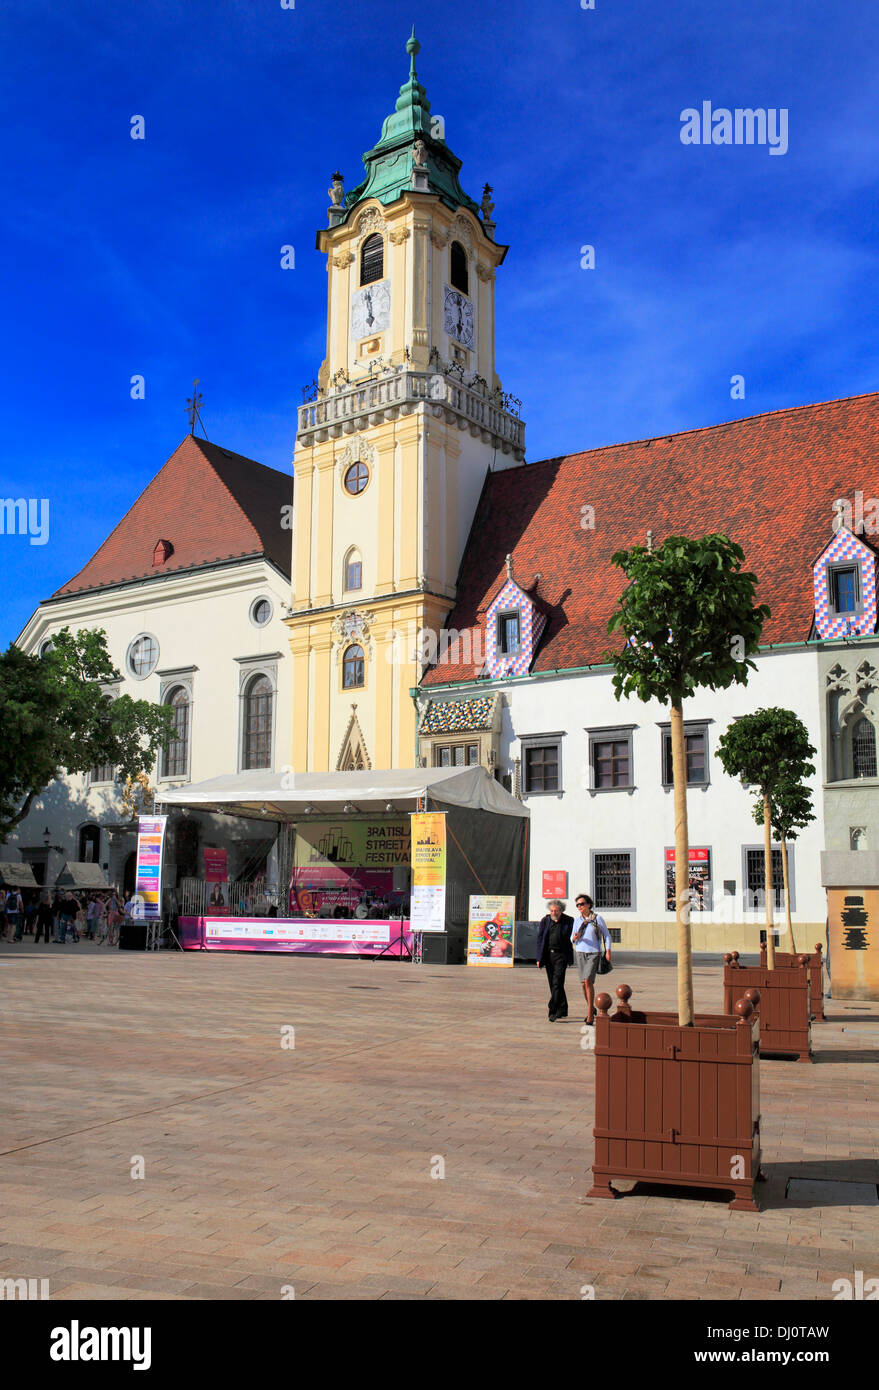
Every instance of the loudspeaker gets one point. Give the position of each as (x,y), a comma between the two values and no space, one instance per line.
(132,936)
(435,948)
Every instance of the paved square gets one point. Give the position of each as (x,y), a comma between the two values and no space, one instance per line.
(268,1168)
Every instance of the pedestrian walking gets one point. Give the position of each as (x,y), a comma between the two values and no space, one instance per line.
(590,939)
(44,922)
(15,913)
(555,953)
(93,912)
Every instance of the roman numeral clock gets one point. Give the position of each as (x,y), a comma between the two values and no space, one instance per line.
(458,316)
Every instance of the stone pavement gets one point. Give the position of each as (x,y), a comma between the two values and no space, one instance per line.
(269,1168)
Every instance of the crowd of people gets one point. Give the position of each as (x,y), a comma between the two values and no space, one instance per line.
(62,917)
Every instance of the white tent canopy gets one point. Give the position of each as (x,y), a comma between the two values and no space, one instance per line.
(288,796)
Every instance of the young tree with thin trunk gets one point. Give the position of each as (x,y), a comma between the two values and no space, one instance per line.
(690,620)
(768,750)
(790,810)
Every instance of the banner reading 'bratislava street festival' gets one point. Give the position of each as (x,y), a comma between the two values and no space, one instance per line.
(428,906)
(148,874)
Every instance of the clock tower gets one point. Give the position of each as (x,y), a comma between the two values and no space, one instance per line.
(407,416)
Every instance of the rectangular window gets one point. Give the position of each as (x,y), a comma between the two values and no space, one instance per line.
(104,773)
(611,763)
(844,589)
(456,755)
(542,768)
(613,878)
(696,753)
(755,878)
(508,634)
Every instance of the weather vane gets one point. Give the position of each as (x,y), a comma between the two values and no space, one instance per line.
(193,406)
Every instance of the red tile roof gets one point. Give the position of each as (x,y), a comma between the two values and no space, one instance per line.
(768,481)
(211,504)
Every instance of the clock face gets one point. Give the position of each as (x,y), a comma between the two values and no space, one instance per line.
(458,316)
(371,309)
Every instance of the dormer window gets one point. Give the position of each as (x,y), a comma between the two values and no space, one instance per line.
(844,580)
(844,588)
(372,259)
(509,633)
(163,551)
(459,274)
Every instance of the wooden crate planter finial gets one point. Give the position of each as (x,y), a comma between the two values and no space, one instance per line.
(677,1105)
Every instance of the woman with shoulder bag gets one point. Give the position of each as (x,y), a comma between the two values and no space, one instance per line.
(591,941)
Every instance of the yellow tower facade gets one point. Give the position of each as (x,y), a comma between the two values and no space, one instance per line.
(391,454)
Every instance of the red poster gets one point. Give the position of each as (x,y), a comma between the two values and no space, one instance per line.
(555,883)
(215,865)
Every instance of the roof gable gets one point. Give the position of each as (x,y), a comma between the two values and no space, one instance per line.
(209,504)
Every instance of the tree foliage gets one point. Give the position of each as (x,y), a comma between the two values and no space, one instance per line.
(689,616)
(56,716)
(790,808)
(769,750)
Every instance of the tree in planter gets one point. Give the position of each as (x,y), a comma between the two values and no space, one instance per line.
(690,619)
(770,750)
(791,811)
(56,717)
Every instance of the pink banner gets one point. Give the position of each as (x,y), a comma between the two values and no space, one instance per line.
(322,936)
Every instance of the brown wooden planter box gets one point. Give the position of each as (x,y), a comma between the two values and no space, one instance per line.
(784,960)
(784,1004)
(677,1105)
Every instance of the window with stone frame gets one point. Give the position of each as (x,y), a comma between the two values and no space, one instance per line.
(541,767)
(695,752)
(456,755)
(613,879)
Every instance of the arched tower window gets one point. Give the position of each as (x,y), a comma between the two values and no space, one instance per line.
(353,667)
(372,259)
(353,570)
(863,749)
(459,273)
(175,758)
(257,744)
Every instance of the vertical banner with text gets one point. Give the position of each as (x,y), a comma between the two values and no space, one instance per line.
(148,873)
(428,907)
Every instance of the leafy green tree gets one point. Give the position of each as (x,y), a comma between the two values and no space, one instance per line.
(790,812)
(55,716)
(690,619)
(770,751)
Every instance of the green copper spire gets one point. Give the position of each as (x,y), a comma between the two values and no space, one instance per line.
(411,140)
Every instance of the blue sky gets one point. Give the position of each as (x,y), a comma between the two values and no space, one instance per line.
(162,256)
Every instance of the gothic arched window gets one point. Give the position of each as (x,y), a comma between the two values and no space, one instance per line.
(372,259)
(257,742)
(353,667)
(863,749)
(459,274)
(175,758)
